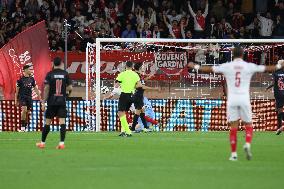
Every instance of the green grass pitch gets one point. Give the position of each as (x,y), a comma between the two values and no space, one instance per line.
(146,161)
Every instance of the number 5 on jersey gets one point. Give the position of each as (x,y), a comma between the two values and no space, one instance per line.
(238,79)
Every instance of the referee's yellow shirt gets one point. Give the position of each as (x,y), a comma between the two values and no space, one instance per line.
(128,80)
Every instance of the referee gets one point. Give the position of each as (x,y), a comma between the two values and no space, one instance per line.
(128,81)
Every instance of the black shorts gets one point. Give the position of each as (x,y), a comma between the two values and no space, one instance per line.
(25,101)
(56,111)
(124,102)
(138,102)
(279,103)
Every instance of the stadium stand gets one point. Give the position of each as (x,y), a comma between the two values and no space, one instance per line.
(144,18)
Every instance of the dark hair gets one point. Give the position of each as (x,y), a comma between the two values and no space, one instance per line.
(129,64)
(238,52)
(137,66)
(57,61)
(26,66)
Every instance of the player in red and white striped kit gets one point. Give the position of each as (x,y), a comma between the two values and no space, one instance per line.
(238,74)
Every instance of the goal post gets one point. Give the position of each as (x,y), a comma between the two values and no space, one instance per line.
(93,62)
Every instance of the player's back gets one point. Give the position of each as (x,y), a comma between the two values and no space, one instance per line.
(238,74)
(58,81)
(128,80)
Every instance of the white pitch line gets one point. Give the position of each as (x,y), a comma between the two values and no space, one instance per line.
(122,138)
(28,139)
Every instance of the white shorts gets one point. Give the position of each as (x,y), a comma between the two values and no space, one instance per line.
(236,112)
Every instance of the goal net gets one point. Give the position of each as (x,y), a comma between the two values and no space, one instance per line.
(188,100)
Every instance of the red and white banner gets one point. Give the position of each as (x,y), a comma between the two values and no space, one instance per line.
(171,67)
(171,63)
(29,47)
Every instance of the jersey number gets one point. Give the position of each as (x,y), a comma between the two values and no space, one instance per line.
(238,79)
(58,87)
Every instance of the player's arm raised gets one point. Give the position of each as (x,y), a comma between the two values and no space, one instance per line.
(197,67)
(279,65)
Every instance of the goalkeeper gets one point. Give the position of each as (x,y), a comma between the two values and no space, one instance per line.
(149,116)
(148,109)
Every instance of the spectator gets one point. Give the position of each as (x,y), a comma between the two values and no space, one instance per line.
(230,12)
(210,28)
(278,27)
(115,30)
(184,28)
(174,16)
(80,20)
(266,25)
(199,20)
(253,28)
(237,21)
(156,32)
(174,28)
(188,35)
(226,25)
(100,18)
(218,10)
(55,25)
(32,6)
(219,32)
(129,32)
(18,13)
(145,32)
(241,34)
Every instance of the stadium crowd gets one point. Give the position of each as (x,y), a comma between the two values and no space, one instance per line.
(143,18)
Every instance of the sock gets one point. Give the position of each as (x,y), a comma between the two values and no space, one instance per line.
(124,124)
(23,124)
(45,132)
(249,132)
(234,154)
(62,132)
(128,118)
(134,123)
(142,116)
(233,139)
(279,120)
(148,119)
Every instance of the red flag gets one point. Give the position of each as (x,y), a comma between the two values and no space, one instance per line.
(29,47)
